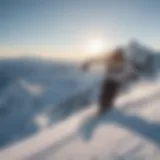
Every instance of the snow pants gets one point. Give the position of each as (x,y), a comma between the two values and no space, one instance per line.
(108,94)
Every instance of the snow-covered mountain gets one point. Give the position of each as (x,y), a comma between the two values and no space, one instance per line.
(30,90)
(146,59)
(42,103)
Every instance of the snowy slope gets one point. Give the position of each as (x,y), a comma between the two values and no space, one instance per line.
(30,90)
(45,110)
(130,131)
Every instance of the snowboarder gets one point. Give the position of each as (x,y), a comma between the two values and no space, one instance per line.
(118,70)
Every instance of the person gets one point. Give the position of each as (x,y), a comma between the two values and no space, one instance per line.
(118,69)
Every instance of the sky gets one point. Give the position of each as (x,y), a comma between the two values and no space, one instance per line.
(67,26)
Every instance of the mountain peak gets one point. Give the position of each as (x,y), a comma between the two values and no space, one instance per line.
(135,45)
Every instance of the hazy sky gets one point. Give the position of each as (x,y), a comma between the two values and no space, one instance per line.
(59,25)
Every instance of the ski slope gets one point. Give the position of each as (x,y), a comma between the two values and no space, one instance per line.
(47,108)
(130,131)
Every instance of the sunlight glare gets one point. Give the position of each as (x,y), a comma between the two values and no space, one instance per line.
(95,46)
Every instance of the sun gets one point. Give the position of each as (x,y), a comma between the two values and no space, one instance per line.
(95,46)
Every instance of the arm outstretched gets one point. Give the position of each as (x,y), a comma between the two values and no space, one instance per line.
(94,61)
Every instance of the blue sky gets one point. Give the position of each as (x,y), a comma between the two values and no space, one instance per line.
(69,23)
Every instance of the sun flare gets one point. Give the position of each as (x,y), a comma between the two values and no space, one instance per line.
(95,46)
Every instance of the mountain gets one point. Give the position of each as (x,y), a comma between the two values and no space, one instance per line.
(45,106)
(30,89)
(145,58)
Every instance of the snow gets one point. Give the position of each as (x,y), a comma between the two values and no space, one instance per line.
(130,131)
(47,111)
(33,91)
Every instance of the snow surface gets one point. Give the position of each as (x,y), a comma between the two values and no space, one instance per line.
(47,111)
(130,131)
(31,91)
